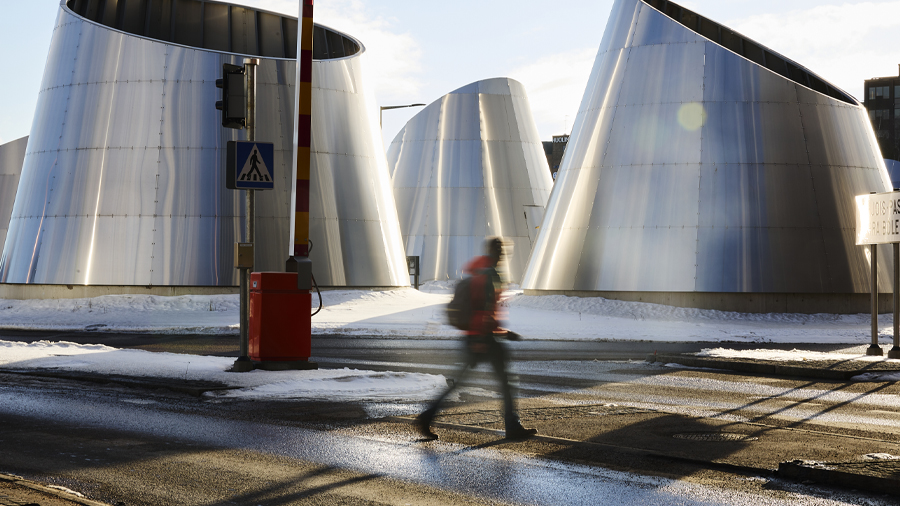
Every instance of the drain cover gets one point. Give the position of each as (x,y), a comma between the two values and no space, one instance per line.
(715,436)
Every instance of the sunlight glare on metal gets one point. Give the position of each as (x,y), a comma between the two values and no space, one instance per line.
(692,116)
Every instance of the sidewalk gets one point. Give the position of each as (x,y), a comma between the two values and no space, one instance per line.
(17,491)
(833,369)
(642,440)
(628,438)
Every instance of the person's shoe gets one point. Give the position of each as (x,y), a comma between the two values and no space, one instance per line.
(518,433)
(423,427)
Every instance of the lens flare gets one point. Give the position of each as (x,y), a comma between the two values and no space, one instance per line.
(692,116)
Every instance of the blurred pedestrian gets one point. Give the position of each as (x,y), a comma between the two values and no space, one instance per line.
(483,341)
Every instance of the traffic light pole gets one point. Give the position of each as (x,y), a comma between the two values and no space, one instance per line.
(243,363)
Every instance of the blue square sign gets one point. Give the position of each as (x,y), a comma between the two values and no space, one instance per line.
(250,165)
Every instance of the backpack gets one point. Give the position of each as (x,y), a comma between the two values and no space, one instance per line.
(459,309)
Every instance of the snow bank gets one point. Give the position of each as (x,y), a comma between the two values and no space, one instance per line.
(344,384)
(409,313)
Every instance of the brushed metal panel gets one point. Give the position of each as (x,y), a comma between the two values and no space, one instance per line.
(838,134)
(731,78)
(189,183)
(654,27)
(457,121)
(414,164)
(754,132)
(459,211)
(130,184)
(628,196)
(651,133)
(458,165)
(50,117)
(626,252)
(759,195)
(63,49)
(681,63)
(186,120)
(621,24)
(186,64)
(90,106)
(496,87)
(495,118)
(134,114)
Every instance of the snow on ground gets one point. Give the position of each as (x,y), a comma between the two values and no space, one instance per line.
(409,313)
(787,356)
(401,313)
(345,384)
(803,355)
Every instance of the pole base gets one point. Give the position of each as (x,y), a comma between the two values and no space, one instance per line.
(242,364)
(895,352)
(286,365)
(874,350)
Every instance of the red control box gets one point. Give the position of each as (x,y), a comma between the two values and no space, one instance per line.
(280,322)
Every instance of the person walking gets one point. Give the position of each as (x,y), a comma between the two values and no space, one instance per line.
(482,341)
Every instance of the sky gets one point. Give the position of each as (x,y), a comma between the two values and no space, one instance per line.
(419,51)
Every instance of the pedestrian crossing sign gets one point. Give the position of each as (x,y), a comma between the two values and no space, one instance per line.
(250,165)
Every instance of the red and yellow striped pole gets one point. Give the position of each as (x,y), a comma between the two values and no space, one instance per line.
(304,126)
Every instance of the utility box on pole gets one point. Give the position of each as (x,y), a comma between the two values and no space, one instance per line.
(279,338)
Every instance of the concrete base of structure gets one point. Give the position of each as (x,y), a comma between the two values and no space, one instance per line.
(806,303)
(30,291)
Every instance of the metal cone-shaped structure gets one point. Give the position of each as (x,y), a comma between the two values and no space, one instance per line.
(706,170)
(123,179)
(470,166)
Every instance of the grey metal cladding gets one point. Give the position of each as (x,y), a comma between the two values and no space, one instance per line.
(122,182)
(467,167)
(12,156)
(701,161)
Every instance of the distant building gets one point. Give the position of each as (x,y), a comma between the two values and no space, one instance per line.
(554,151)
(882,100)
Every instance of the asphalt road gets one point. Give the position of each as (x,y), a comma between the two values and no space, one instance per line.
(614,431)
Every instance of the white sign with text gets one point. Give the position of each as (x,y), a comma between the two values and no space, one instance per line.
(878,218)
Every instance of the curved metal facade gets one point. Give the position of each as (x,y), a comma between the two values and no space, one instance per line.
(123,178)
(469,166)
(693,168)
(12,156)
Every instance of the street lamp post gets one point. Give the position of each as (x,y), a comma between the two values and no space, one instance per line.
(387,107)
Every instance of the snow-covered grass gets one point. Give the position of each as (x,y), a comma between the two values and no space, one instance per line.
(409,313)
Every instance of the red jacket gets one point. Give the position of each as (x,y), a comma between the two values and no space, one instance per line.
(486,291)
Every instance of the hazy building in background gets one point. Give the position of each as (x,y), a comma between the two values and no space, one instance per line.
(12,155)
(554,150)
(882,100)
(469,166)
(706,170)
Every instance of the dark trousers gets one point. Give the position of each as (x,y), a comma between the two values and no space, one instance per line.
(482,349)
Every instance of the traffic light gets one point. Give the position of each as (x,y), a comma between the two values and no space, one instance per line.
(234,96)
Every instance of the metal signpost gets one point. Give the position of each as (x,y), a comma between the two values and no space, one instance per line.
(250,167)
(878,222)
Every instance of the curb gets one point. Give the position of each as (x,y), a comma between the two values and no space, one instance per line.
(22,482)
(768,368)
(197,388)
(801,471)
